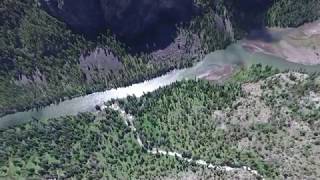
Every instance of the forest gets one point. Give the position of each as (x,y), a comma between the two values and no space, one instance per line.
(291,13)
(101,145)
(79,147)
(87,146)
(40,58)
(210,121)
(40,55)
(180,117)
(224,124)
(259,118)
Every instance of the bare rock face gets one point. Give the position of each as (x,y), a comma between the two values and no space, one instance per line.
(143,24)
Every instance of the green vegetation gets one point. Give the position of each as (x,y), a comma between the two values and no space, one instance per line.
(253,74)
(259,121)
(82,147)
(40,58)
(286,13)
(211,37)
(86,146)
(263,127)
(40,55)
(41,49)
(181,118)
(246,121)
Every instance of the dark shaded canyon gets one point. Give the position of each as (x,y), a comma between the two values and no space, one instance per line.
(143,25)
(249,14)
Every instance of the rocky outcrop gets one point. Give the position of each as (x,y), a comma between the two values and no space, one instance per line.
(99,62)
(136,22)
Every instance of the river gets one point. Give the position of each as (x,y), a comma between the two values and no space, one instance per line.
(242,53)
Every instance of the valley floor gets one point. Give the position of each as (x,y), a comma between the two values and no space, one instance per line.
(258,124)
(299,45)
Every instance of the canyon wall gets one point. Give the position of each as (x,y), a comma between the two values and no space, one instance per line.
(138,23)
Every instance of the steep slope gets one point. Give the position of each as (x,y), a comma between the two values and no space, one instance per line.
(293,13)
(93,45)
(137,23)
(43,61)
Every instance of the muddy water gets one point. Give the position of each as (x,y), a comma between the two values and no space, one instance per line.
(240,53)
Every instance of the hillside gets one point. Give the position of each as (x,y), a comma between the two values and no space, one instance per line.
(290,13)
(260,119)
(48,54)
(269,122)
(138,24)
(43,61)
(254,123)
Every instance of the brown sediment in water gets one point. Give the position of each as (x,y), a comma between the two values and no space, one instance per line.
(301,45)
(218,74)
(256,46)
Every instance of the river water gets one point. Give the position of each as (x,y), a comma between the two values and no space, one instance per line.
(234,55)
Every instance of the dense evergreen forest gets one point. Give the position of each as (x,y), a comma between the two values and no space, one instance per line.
(85,147)
(32,41)
(286,13)
(79,147)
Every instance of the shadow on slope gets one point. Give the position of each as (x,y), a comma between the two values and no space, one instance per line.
(143,25)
